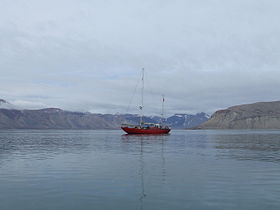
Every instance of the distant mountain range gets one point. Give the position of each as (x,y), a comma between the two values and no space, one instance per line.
(54,118)
(177,121)
(261,115)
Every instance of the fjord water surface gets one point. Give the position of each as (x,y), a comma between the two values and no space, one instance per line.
(66,169)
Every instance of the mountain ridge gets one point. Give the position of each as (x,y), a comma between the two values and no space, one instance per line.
(259,115)
(55,118)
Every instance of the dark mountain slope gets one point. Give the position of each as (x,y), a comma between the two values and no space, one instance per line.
(261,115)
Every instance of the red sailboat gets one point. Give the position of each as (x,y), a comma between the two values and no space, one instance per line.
(146,128)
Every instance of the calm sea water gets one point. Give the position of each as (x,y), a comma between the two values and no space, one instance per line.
(66,169)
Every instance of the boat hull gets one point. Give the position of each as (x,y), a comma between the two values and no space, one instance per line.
(146,131)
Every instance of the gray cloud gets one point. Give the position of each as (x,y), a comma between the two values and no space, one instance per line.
(87,55)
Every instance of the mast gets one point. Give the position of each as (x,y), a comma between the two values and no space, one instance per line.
(162,110)
(142,98)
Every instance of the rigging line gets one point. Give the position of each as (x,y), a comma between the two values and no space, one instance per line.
(155,94)
(134,92)
(150,88)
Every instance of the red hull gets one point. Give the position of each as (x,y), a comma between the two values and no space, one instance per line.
(146,131)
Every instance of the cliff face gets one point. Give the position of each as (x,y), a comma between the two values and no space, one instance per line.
(261,115)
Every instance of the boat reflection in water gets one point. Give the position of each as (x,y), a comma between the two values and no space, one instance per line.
(144,143)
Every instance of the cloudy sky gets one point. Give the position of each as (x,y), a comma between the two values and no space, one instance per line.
(87,55)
